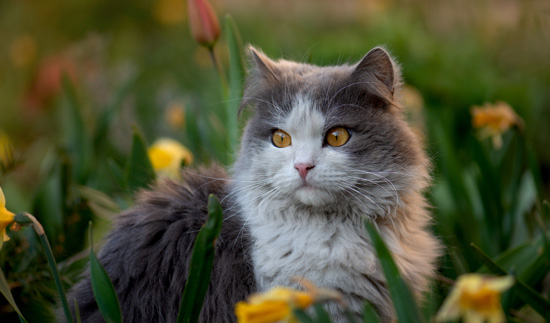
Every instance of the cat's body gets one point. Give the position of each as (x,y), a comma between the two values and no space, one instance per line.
(325,149)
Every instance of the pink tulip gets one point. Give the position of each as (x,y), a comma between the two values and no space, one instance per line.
(204,23)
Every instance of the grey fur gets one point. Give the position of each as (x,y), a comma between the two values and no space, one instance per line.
(279,225)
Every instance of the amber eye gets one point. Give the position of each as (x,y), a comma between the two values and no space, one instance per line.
(337,136)
(281,139)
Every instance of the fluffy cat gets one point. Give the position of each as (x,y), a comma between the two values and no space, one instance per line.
(324,149)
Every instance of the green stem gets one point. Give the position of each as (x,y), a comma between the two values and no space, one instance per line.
(219,70)
(53,266)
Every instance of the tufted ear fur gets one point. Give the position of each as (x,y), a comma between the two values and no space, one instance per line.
(379,73)
(263,73)
(262,66)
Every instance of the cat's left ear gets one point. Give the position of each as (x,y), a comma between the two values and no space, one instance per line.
(264,67)
(379,67)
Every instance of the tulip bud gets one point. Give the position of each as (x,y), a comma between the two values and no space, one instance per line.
(205,27)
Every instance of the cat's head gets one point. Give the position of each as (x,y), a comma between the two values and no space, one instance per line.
(328,135)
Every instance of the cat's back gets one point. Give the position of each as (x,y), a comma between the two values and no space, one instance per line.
(147,254)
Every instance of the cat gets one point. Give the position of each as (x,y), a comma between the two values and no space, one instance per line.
(325,149)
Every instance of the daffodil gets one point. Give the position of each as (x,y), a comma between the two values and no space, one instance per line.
(6,217)
(475,298)
(272,306)
(493,120)
(167,156)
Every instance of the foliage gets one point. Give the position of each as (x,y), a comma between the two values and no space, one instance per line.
(80,104)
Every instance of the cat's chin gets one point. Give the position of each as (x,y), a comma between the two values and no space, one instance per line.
(311,196)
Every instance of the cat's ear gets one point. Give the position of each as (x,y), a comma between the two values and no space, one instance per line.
(262,66)
(378,65)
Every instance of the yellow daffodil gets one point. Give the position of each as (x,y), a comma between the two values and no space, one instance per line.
(475,298)
(494,120)
(6,217)
(167,156)
(272,306)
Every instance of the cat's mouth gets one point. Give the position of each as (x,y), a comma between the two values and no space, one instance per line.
(310,194)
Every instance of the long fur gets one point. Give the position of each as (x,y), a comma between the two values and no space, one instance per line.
(147,254)
(278,223)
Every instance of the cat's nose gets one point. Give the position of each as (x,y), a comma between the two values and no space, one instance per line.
(303,168)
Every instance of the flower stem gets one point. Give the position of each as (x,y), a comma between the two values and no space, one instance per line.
(219,70)
(53,266)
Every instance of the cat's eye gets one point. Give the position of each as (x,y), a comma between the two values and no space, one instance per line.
(337,136)
(281,139)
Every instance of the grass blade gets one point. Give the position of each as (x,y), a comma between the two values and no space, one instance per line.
(139,170)
(403,300)
(5,290)
(202,261)
(322,315)
(302,316)
(236,78)
(369,314)
(103,289)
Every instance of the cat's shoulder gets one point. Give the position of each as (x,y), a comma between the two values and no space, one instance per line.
(175,200)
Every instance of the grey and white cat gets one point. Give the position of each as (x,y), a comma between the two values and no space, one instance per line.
(325,149)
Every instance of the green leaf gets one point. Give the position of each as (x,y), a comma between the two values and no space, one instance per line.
(236,78)
(139,171)
(76,138)
(403,300)
(116,171)
(525,292)
(77,311)
(49,203)
(302,316)
(202,261)
(322,315)
(5,290)
(369,314)
(109,113)
(103,289)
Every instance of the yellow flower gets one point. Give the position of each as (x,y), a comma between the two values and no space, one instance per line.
(6,217)
(167,156)
(493,120)
(272,306)
(475,298)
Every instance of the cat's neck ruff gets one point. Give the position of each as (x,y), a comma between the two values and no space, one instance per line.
(328,246)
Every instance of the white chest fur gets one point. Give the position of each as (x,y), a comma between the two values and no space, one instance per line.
(332,251)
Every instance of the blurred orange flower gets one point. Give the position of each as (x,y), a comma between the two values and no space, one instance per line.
(48,80)
(175,115)
(205,26)
(494,120)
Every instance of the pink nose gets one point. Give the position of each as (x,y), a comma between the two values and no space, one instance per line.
(303,168)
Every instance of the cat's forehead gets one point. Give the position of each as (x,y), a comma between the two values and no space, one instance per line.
(304,118)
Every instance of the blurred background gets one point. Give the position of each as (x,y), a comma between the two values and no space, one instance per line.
(77,78)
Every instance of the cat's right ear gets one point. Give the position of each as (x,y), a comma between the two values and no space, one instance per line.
(262,66)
